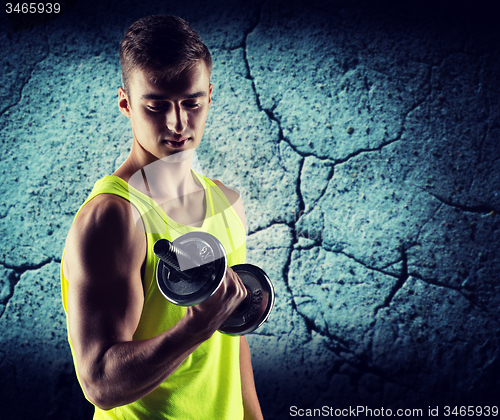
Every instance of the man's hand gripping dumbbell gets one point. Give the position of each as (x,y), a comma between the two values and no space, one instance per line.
(193,267)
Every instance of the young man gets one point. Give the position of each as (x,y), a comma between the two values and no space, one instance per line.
(137,356)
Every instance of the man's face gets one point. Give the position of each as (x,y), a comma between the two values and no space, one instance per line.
(168,117)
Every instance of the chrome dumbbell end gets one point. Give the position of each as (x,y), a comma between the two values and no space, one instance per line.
(256,307)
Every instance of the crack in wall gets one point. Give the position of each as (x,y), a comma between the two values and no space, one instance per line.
(468,296)
(367,266)
(335,343)
(28,79)
(18,272)
(299,192)
(281,137)
(417,237)
(21,269)
(401,280)
(486,133)
(335,162)
(329,177)
(401,130)
(478,209)
(269,112)
(244,46)
(482,208)
(7,210)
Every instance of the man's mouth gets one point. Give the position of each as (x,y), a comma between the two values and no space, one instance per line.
(177,143)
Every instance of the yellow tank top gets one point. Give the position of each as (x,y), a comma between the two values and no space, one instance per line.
(207,385)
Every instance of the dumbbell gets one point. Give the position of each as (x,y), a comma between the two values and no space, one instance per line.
(191,269)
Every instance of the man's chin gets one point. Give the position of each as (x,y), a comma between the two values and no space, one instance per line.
(178,156)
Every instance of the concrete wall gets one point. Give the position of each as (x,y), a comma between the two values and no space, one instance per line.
(363,137)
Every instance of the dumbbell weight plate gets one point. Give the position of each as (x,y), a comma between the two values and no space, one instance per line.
(254,310)
(194,283)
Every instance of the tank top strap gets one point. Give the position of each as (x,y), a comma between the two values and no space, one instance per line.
(152,217)
(225,221)
(206,183)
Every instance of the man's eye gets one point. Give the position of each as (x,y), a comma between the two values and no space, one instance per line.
(155,108)
(191,105)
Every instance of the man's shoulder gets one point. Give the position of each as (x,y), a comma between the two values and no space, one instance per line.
(106,215)
(104,237)
(234,200)
(230,194)
(105,208)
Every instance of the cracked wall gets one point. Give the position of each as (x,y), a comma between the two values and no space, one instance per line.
(367,138)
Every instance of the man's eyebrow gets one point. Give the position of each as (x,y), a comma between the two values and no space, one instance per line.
(155,97)
(199,94)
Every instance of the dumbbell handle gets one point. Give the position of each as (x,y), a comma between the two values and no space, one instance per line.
(168,252)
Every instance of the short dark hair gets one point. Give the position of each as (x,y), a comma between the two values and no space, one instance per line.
(163,46)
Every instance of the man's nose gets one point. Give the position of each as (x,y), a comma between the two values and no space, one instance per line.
(176,120)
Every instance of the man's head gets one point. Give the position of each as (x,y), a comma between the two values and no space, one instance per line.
(167,91)
(163,47)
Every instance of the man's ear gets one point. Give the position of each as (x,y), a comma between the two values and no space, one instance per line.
(210,89)
(123,102)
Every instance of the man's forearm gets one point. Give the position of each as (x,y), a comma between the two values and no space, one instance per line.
(128,371)
(251,404)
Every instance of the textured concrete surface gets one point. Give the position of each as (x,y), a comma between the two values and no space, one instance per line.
(363,137)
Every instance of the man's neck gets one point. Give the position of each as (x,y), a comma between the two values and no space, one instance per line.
(169,179)
(164,179)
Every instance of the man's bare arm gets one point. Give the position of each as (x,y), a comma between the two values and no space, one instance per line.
(103,259)
(251,404)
